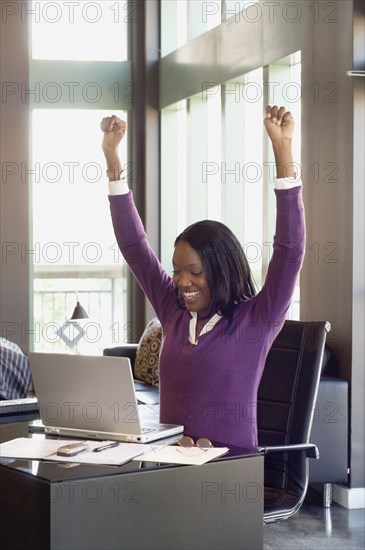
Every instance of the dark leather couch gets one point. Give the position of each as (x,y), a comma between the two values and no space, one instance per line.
(330,430)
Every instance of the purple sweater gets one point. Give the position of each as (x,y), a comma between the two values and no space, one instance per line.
(211,387)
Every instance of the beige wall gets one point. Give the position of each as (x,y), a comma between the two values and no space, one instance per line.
(14,195)
(332,281)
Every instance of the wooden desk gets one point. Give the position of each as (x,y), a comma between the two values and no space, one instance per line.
(135,506)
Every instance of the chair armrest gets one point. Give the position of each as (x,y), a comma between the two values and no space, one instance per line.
(311,450)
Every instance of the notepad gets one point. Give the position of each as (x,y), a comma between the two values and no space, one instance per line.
(174,454)
(46,449)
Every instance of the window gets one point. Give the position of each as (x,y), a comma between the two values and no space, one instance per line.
(184,20)
(74,249)
(68,30)
(173,24)
(216,162)
(75,256)
(242,171)
(219,140)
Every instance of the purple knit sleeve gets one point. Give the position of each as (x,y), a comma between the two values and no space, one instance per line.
(288,252)
(137,252)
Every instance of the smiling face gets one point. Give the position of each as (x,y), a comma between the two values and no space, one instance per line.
(190,279)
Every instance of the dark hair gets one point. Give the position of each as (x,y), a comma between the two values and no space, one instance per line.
(226,267)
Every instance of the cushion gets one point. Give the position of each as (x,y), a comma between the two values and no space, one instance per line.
(148,353)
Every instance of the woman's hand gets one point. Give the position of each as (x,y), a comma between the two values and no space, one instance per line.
(114,129)
(279,123)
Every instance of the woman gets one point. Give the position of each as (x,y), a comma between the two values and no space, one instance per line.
(216,330)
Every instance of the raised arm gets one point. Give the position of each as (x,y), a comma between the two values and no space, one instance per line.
(289,238)
(128,227)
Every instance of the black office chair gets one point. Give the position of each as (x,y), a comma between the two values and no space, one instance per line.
(286,402)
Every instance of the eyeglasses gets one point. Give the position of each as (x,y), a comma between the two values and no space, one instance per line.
(187,442)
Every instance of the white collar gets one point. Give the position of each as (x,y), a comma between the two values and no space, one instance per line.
(206,328)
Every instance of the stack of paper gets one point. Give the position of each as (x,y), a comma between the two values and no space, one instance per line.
(46,449)
(174,454)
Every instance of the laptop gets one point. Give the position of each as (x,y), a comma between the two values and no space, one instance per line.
(93,397)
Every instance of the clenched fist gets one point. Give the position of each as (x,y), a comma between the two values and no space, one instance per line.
(114,129)
(279,123)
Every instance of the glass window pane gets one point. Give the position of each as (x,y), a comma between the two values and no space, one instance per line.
(198,169)
(214,156)
(70,188)
(203,16)
(173,177)
(80,30)
(242,166)
(173,25)
(74,248)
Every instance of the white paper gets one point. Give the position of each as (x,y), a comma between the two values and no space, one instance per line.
(46,449)
(174,454)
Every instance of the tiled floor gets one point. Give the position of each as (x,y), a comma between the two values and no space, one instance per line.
(318,528)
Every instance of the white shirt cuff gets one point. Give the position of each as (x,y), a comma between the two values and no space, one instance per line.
(287,183)
(119,187)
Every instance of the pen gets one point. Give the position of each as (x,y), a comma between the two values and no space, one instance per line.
(104,447)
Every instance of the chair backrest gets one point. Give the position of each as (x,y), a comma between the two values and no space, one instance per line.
(286,402)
